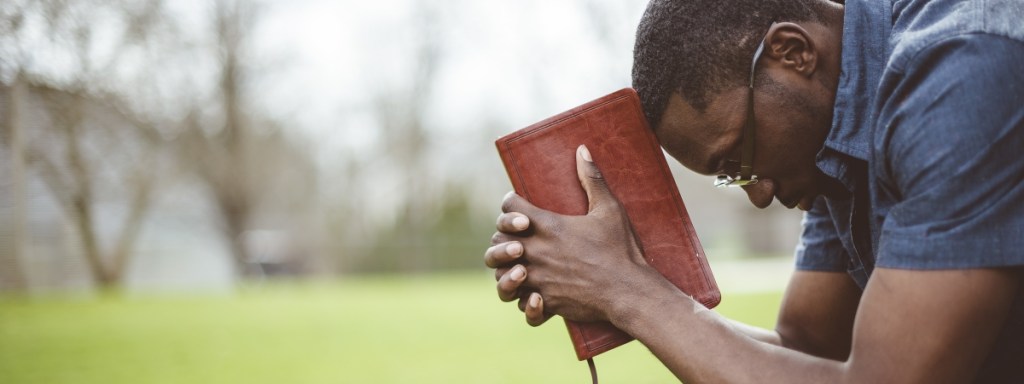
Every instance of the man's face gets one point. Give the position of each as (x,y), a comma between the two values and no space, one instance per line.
(790,130)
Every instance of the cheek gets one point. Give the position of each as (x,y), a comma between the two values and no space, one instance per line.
(783,150)
(795,135)
(788,157)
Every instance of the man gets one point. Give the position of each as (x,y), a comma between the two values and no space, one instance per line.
(897,126)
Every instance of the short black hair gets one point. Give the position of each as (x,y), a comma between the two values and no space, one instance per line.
(702,47)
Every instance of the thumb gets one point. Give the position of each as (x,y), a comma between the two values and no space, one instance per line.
(592,181)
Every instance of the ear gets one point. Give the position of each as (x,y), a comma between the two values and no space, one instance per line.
(791,47)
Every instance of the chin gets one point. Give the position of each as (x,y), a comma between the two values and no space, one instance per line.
(806,203)
(788,201)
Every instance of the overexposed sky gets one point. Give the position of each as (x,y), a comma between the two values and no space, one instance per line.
(512,62)
(502,65)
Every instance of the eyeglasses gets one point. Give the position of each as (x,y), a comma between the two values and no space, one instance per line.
(745,174)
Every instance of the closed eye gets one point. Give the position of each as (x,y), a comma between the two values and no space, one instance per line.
(731,167)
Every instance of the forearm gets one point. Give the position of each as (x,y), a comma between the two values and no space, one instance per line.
(699,345)
(760,334)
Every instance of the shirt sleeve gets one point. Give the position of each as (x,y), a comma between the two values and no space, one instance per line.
(820,248)
(949,157)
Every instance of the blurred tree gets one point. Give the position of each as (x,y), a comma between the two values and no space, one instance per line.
(352,233)
(240,154)
(12,274)
(93,146)
(234,196)
(91,153)
(453,237)
(402,160)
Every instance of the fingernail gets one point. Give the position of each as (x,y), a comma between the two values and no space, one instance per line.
(534,301)
(520,222)
(585,153)
(514,249)
(517,273)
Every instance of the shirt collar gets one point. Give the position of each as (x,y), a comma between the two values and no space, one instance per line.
(866,28)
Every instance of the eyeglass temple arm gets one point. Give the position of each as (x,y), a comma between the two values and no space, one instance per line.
(747,157)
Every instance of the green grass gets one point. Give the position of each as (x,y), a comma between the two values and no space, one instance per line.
(443,329)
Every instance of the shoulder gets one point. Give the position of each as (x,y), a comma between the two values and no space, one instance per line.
(945,154)
(954,100)
(918,25)
(949,64)
(946,140)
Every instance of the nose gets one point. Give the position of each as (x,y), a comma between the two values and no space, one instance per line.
(762,193)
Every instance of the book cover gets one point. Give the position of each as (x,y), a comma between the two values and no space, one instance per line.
(541,163)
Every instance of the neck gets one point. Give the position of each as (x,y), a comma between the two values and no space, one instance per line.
(832,39)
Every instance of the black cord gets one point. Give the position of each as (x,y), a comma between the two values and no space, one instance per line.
(593,369)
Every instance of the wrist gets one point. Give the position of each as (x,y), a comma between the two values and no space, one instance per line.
(643,301)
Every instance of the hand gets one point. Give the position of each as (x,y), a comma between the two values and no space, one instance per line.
(583,266)
(509,269)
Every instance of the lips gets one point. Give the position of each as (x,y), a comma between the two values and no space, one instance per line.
(803,203)
(789,203)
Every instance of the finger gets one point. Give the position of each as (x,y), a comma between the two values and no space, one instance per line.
(515,203)
(591,179)
(524,298)
(498,238)
(502,254)
(535,310)
(512,222)
(498,273)
(508,284)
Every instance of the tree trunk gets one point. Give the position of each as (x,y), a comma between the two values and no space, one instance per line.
(235,213)
(132,224)
(12,275)
(82,198)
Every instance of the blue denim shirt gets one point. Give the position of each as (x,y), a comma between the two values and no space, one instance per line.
(928,139)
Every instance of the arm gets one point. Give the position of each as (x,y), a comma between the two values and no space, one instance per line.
(904,330)
(954,178)
(914,326)
(816,315)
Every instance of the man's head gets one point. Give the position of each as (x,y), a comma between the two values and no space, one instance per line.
(692,63)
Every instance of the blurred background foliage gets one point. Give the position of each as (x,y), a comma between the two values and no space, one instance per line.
(203,147)
(192,144)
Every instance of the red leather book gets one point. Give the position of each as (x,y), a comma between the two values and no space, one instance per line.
(541,163)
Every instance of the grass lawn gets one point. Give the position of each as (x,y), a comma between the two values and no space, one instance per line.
(430,329)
